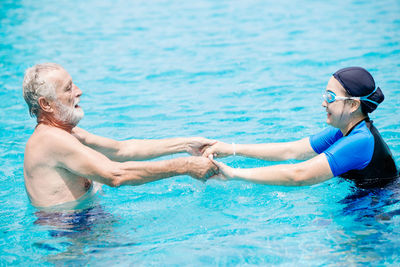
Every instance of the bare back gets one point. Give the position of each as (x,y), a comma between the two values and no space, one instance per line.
(46,181)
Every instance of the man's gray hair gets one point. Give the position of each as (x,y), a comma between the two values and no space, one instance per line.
(35,85)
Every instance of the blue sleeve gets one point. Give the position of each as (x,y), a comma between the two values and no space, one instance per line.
(350,153)
(321,141)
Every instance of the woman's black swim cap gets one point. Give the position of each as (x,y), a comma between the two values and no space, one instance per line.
(359,82)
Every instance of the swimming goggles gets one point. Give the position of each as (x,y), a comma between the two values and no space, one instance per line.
(331,97)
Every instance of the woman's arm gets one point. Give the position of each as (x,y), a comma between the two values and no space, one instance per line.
(299,150)
(309,172)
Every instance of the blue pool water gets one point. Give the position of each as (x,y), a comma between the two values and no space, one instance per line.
(242,71)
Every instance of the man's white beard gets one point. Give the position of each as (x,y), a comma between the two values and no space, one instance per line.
(69,115)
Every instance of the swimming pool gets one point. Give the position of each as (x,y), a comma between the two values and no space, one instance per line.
(242,71)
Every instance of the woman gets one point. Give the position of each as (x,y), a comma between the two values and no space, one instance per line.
(351,148)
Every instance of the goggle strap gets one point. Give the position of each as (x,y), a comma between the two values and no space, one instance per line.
(365,98)
(371,93)
(369,100)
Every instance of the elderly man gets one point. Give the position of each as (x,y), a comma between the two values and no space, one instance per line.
(62,161)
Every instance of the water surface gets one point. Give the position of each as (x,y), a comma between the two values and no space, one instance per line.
(237,71)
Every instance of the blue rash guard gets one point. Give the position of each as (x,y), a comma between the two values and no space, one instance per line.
(361,155)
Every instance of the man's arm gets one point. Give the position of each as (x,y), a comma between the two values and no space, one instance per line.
(309,172)
(86,162)
(299,150)
(135,149)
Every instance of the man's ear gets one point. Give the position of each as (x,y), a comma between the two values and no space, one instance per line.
(44,104)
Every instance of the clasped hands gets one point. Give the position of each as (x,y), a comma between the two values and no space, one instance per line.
(203,166)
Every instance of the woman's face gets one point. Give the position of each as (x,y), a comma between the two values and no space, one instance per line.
(339,111)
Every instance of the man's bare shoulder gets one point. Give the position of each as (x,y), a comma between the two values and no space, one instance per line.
(47,138)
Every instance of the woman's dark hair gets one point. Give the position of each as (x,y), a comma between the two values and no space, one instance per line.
(360,83)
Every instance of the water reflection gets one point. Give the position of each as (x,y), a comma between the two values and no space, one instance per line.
(372,203)
(368,224)
(74,233)
(74,223)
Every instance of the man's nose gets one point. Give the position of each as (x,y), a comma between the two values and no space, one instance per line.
(78,91)
(324,104)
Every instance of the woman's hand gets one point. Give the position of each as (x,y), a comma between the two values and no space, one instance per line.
(219,150)
(224,171)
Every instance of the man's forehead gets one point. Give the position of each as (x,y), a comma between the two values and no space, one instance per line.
(58,76)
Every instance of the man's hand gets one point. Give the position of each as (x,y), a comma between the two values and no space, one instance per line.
(196,145)
(218,150)
(201,168)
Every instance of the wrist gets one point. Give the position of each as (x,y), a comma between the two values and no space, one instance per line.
(183,165)
(234,174)
(227,149)
(176,145)
(233,149)
(185,144)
